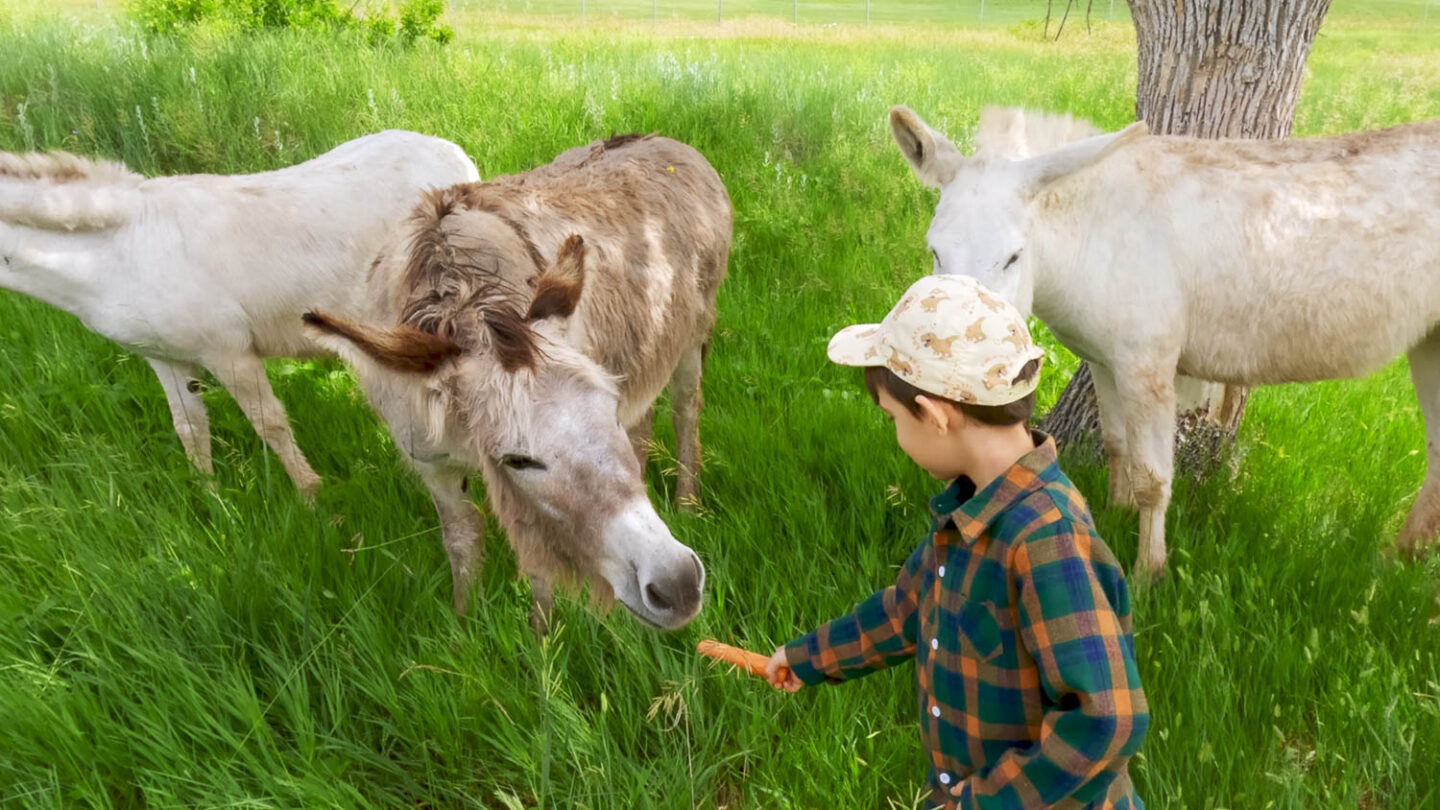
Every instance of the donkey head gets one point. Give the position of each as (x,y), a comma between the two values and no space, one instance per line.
(538,418)
(981,226)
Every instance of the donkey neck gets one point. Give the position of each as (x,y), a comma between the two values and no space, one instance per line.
(65,270)
(1058,231)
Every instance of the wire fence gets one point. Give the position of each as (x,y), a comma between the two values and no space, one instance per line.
(881,12)
(864,12)
(954,12)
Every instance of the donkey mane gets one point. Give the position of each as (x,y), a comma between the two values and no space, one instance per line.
(617,141)
(450,285)
(63,167)
(1015,133)
(582,156)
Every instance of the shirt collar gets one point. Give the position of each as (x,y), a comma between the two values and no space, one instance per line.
(961,508)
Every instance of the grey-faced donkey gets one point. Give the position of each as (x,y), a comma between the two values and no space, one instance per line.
(524,327)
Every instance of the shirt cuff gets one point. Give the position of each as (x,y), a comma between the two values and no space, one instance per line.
(800,655)
(950,797)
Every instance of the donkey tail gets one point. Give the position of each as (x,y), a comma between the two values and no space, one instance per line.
(61,192)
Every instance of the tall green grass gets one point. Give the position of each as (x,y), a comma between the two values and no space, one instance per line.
(162,644)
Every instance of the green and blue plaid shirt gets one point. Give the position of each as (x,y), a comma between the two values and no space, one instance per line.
(1018,619)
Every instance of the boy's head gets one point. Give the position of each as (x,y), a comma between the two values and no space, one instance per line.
(952,364)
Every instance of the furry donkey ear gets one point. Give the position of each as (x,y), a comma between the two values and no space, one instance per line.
(557,293)
(1042,170)
(933,157)
(402,348)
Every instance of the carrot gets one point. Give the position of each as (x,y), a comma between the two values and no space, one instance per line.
(753,663)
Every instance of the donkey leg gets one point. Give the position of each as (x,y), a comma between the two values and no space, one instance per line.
(686,401)
(640,436)
(1112,435)
(1149,403)
(187,410)
(462,531)
(1423,523)
(243,375)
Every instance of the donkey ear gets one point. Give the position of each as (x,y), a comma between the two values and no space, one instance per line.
(401,348)
(557,293)
(933,157)
(1040,171)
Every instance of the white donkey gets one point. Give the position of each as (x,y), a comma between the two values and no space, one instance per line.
(1240,262)
(213,271)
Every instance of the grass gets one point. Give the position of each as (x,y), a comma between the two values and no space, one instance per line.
(165,645)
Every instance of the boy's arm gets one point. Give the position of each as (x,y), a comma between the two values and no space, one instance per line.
(879,634)
(1087,669)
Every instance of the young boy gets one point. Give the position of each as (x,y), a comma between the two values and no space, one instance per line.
(1013,609)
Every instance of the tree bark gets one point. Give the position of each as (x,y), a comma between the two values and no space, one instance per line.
(1222,68)
(1207,69)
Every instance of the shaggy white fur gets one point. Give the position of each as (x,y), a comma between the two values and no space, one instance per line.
(213,271)
(1236,261)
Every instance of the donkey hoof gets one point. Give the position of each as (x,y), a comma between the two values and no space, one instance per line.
(1122,496)
(1147,574)
(1411,548)
(309,489)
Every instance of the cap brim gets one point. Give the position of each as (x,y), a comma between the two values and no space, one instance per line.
(857,345)
(1028,387)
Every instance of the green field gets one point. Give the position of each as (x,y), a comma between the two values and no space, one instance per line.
(166,645)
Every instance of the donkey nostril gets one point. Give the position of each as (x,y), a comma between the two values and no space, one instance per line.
(657,599)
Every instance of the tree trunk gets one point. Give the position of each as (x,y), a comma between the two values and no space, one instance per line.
(1207,69)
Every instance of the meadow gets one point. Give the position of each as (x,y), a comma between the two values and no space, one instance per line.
(163,644)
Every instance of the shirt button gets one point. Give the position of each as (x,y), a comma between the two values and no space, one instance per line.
(935,711)
(944,778)
(934,643)
(942,572)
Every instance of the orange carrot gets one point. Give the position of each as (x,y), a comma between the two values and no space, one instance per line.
(753,663)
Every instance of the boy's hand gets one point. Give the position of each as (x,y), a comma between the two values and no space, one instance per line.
(777,672)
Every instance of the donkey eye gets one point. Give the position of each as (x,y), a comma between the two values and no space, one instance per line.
(518,462)
(1013,258)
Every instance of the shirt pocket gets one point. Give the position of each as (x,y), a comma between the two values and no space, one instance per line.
(978,630)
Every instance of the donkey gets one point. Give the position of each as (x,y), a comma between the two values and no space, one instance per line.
(208,271)
(523,327)
(1234,261)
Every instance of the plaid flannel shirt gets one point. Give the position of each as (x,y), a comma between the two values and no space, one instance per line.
(1018,619)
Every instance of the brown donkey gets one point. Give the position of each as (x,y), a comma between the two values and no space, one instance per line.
(523,327)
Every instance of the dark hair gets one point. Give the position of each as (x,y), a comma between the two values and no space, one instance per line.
(878,378)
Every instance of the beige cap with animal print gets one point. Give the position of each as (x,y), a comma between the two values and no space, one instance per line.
(949,336)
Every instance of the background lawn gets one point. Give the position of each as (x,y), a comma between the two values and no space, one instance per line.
(165,645)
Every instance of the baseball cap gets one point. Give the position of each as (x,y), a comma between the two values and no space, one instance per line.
(949,336)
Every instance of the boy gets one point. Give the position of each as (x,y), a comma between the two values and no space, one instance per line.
(1014,610)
